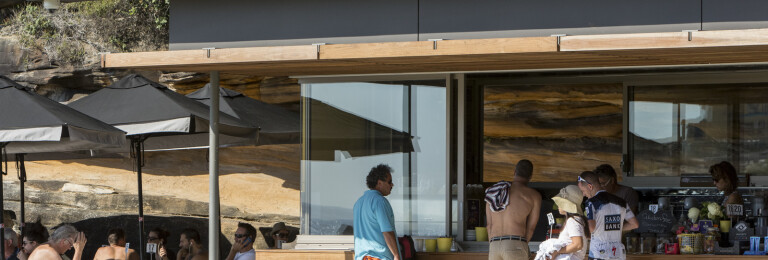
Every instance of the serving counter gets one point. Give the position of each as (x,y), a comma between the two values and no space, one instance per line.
(350,255)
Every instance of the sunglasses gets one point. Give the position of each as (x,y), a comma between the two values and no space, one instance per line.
(582,179)
(282,234)
(153,238)
(240,235)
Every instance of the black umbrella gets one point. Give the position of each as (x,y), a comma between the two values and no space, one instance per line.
(276,125)
(30,123)
(154,115)
(332,129)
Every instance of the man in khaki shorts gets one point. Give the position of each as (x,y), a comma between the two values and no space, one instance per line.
(512,211)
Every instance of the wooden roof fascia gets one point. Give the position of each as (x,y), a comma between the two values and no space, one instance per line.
(529,53)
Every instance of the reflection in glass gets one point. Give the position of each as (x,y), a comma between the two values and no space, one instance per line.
(355,126)
(684,129)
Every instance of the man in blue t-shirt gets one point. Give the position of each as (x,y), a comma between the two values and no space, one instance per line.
(607,216)
(374,221)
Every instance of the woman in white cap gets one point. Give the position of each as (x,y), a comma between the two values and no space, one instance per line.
(575,229)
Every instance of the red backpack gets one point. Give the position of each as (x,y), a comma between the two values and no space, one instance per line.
(407,247)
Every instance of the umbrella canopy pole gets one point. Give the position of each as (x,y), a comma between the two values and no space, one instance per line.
(213,170)
(138,155)
(4,159)
(22,172)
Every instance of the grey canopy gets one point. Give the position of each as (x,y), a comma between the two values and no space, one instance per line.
(141,107)
(30,123)
(276,125)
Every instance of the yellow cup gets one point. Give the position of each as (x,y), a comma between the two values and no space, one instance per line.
(444,244)
(725,226)
(430,244)
(481,234)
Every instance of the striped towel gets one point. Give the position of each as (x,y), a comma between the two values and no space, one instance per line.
(497,196)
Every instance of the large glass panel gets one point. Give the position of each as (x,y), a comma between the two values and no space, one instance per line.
(678,130)
(355,126)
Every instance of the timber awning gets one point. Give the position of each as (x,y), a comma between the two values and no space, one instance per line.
(503,54)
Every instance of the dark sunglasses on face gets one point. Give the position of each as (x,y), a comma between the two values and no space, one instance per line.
(282,234)
(582,179)
(153,238)
(240,235)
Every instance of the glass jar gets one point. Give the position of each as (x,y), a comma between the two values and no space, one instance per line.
(631,243)
(662,239)
(710,239)
(648,243)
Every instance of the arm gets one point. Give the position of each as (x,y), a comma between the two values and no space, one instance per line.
(533,218)
(630,224)
(236,247)
(489,223)
(574,246)
(132,255)
(391,240)
(592,224)
(79,245)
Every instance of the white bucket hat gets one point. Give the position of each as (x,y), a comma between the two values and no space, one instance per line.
(569,199)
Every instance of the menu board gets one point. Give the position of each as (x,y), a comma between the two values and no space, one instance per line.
(659,222)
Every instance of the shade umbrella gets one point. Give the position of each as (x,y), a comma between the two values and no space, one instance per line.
(155,116)
(276,125)
(30,123)
(333,129)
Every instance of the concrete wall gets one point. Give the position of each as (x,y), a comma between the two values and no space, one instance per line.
(245,23)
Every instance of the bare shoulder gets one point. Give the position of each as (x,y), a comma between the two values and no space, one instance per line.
(532,193)
(44,252)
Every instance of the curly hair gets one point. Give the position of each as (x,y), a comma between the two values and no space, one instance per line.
(35,231)
(376,174)
(725,171)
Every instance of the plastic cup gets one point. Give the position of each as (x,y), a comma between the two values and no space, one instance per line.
(444,244)
(725,226)
(481,234)
(430,245)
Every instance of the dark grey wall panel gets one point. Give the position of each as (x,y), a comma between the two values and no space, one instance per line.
(244,23)
(735,14)
(461,19)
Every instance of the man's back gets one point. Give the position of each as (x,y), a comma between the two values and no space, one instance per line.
(373,215)
(608,213)
(523,208)
(115,253)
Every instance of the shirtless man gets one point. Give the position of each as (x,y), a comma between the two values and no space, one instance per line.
(512,211)
(190,247)
(116,248)
(62,239)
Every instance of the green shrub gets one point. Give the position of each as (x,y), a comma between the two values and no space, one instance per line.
(80,29)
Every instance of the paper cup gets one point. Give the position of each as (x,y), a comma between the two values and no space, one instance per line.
(430,245)
(725,226)
(444,244)
(481,234)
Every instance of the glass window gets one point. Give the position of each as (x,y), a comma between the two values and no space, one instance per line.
(678,130)
(353,126)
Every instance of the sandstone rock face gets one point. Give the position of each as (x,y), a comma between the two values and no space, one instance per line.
(562,129)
